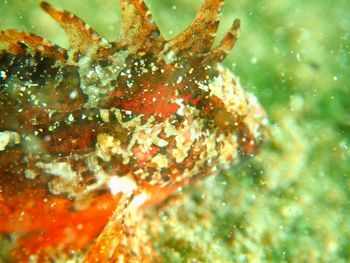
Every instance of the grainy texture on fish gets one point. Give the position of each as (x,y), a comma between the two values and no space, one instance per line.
(91,133)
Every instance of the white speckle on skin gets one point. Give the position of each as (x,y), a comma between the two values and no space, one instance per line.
(160,160)
(179,80)
(30,174)
(162,143)
(8,137)
(181,110)
(104,113)
(139,199)
(170,57)
(60,169)
(125,185)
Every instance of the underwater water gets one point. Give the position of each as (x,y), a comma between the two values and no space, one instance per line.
(291,203)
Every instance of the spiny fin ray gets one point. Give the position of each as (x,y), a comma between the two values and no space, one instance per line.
(139,31)
(219,53)
(17,41)
(121,237)
(200,35)
(10,45)
(80,36)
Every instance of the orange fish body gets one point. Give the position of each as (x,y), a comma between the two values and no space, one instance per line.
(91,134)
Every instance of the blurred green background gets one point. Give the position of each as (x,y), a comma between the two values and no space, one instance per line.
(292,202)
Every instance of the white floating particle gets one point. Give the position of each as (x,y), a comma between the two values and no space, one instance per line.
(70,117)
(73,95)
(298,57)
(3,74)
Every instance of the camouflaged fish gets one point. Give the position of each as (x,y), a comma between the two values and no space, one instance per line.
(90,134)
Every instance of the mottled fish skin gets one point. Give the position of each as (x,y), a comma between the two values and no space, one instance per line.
(103,127)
